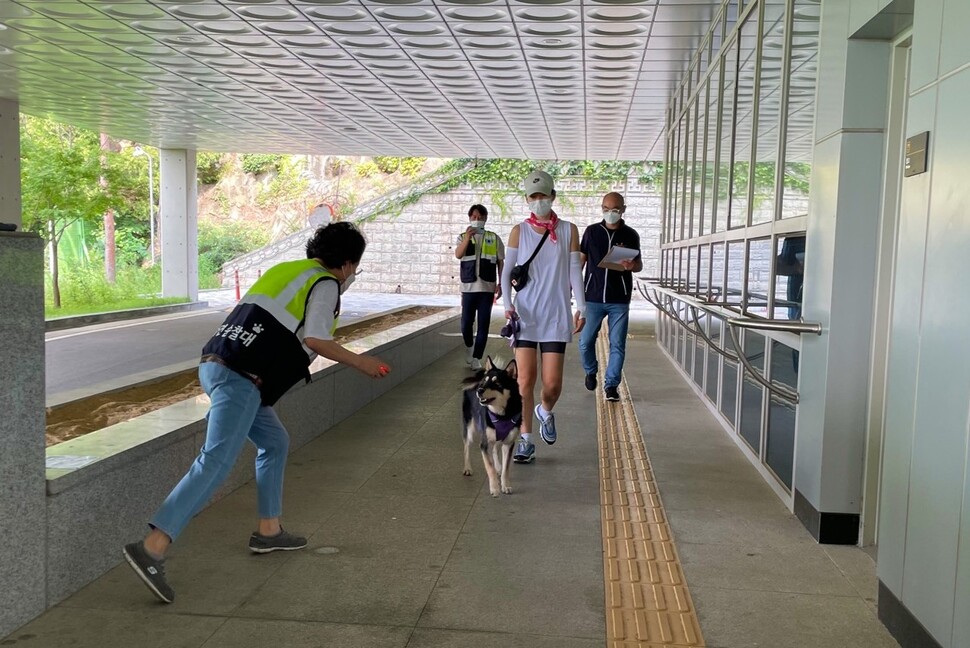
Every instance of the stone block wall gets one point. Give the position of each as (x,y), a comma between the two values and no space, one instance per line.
(416,249)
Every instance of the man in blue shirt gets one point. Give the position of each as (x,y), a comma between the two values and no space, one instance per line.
(608,292)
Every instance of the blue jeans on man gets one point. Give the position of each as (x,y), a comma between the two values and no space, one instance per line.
(618,320)
(235,416)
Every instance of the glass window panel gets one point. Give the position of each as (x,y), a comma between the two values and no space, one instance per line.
(675,185)
(678,334)
(697,168)
(703,61)
(744,120)
(729,390)
(730,16)
(780,446)
(725,159)
(713,359)
(759,276)
(735,273)
(717,36)
(789,276)
(803,72)
(699,347)
(780,450)
(784,364)
(704,272)
(710,179)
(751,392)
(769,112)
(717,272)
(688,358)
(688,172)
(691,270)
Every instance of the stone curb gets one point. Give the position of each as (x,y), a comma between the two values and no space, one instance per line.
(74,321)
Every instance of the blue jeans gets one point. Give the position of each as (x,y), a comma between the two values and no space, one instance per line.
(618,319)
(234,416)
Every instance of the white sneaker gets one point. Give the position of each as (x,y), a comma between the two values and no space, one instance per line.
(468,355)
(476,364)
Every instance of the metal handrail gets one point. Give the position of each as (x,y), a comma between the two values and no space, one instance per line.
(787,326)
(645,285)
(780,389)
(711,343)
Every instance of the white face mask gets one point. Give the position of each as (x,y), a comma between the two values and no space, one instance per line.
(348,282)
(541,208)
(612,216)
(479,224)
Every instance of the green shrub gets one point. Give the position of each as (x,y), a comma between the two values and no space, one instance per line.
(407,166)
(367,169)
(222,242)
(85,289)
(209,167)
(411,166)
(257,163)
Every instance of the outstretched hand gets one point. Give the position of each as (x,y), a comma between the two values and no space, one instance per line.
(373,367)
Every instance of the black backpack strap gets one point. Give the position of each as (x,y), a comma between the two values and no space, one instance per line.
(336,311)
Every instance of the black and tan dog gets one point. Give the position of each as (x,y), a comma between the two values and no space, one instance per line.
(492,411)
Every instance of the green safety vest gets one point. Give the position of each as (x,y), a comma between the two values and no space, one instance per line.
(285,290)
(481,263)
(260,338)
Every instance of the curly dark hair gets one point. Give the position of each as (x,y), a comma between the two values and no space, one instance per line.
(336,244)
(479,208)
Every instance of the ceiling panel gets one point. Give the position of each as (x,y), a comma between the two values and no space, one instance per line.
(566,79)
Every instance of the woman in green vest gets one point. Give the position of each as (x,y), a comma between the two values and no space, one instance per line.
(264,347)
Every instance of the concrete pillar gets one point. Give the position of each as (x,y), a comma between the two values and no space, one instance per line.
(178,224)
(23,516)
(10,162)
(840,275)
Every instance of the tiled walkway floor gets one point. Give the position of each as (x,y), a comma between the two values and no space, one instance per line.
(405,551)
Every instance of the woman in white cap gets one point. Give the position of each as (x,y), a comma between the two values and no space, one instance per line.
(542,305)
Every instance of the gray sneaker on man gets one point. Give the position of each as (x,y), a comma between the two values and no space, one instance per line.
(150,570)
(282,541)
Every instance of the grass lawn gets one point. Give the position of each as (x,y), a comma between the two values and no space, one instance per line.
(86,309)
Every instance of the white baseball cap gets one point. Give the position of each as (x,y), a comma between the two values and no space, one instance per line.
(538,182)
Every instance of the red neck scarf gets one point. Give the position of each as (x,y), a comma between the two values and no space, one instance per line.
(546,225)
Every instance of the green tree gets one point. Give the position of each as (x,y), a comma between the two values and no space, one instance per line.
(61,170)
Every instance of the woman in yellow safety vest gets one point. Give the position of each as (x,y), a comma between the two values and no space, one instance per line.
(264,347)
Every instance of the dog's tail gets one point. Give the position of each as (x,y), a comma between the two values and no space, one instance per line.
(472,381)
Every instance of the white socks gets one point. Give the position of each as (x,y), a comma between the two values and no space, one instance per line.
(543,414)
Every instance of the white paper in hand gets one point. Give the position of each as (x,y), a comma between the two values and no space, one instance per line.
(617,254)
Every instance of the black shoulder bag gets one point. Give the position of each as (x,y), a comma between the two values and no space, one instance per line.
(520,273)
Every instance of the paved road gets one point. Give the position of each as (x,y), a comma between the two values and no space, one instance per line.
(97,358)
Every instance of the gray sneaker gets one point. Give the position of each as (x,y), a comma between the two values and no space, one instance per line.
(547,427)
(282,541)
(151,571)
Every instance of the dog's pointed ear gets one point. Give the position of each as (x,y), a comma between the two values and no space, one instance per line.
(512,369)
(489,365)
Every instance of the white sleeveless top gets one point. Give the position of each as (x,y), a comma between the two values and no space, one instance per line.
(544,308)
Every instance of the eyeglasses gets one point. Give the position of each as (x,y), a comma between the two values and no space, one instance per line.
(358,272)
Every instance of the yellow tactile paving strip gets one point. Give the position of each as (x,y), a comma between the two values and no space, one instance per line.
(647,602)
